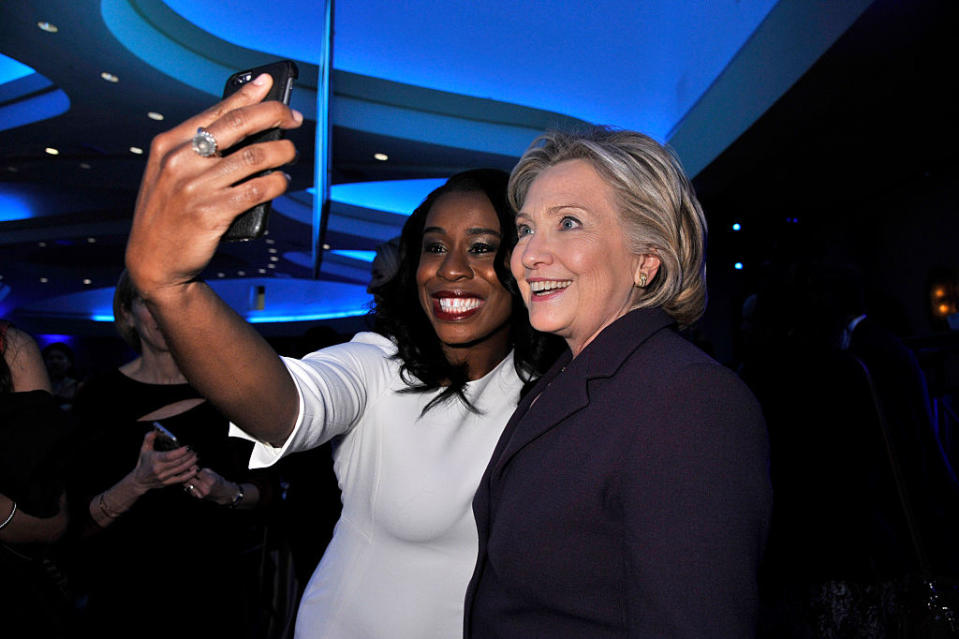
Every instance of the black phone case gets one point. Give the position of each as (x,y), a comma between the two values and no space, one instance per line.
(252,223)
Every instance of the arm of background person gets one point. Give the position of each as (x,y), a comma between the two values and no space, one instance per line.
(186,203)
(24,528)
(26,363)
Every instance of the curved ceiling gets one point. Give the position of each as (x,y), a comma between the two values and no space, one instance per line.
(436,87)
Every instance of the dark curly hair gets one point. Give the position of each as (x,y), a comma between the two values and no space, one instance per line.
(397,313)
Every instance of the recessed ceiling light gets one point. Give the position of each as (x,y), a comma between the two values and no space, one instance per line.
(262,270)
(49,27)
(274,258)
(41,244)
(271,250)
(51,151)
(44,280)
(270,240)
(153,115)
(87,281)
(221,274)
(85,165)
(91,240)
(241,273)
(109,77)
(271,265)
(382,157)
(326,247)
(136,150)
(12,169)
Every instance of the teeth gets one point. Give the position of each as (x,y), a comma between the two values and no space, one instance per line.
(458,304)
(544,286)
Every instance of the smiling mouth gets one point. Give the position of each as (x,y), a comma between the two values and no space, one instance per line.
(541,288)
(454,308)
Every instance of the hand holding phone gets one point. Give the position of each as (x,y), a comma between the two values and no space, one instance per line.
(253,223)
(165,440)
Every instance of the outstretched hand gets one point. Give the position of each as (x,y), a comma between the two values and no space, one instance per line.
(186,202)
(156,469)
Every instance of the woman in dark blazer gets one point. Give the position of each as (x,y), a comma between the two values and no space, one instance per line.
(629,494)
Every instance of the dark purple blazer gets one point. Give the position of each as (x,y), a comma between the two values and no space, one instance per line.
(630,499)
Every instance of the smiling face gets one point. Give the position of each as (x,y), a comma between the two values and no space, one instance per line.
(456,277)
(575,269)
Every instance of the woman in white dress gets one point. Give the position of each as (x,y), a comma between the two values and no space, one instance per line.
(413,409)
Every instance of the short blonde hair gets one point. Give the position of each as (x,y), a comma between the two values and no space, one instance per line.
(657,207)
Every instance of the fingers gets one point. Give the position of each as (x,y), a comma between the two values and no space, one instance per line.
(233,126)
(249,160)
(202,484)
(251,93)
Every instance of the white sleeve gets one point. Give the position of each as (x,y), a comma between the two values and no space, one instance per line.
(333,387)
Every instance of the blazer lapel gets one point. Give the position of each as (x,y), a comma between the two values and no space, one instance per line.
(564,389)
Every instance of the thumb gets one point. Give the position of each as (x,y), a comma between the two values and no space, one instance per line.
(148,439)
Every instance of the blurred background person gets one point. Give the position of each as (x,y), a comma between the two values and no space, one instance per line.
(842,556)
(33,512)
(60,363)
(168,533)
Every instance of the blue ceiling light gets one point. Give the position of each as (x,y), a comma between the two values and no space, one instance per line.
(284,300)
(737,226)
(11,70)
(27,96)
(738,266)
(392,196)
(362,256)
(13,205)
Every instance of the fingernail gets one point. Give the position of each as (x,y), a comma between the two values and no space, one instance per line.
(297,115)
(261,79)
(295,159)
(289,178)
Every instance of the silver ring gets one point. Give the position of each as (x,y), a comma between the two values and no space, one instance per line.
(190,488)
(204,144)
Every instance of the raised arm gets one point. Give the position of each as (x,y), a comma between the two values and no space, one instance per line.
(186,203)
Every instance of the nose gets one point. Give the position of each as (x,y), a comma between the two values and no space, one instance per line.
(535,251)
(455,266)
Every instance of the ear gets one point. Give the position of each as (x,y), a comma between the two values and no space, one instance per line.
(126,318)
(647,265)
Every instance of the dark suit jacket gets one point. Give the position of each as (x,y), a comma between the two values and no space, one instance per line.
(630,499)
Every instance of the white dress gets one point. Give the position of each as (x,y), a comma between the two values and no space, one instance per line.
(405,546)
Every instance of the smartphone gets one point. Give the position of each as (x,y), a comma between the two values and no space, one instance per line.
(252,224)
(165,440)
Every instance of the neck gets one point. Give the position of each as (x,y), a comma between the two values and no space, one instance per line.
(480,356)
(154,368)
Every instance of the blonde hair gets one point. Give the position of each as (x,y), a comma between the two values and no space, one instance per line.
(657,207)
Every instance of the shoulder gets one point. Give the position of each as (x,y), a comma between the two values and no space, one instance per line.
(688,391)
(365,347)
(367,357)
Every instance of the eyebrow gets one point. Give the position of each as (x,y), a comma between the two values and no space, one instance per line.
(478,230)
(557,210)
